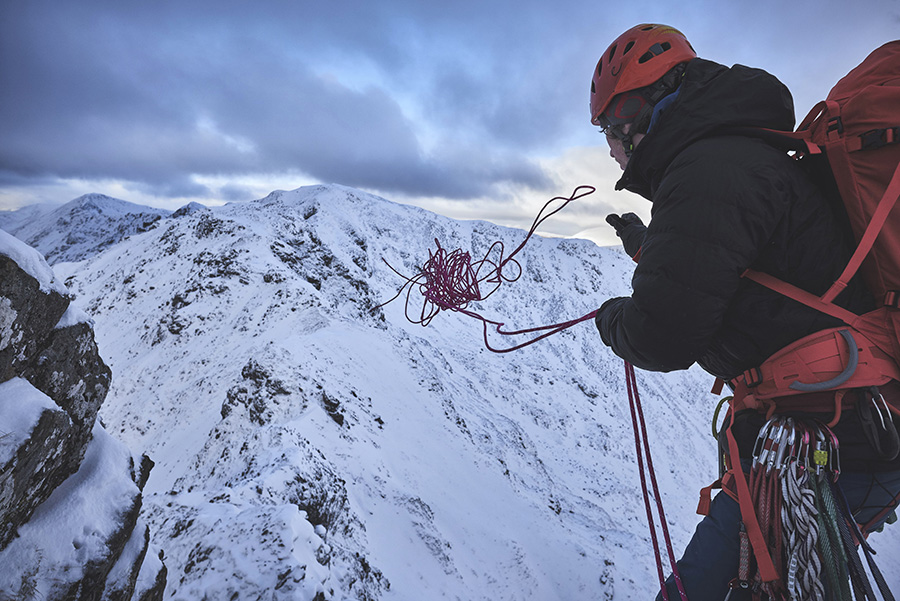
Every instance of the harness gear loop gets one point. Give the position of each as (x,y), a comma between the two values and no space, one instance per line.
(839,379)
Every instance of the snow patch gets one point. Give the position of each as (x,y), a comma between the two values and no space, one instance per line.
(73,316)
(21,406)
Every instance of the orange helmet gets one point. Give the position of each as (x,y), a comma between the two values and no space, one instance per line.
(639,57)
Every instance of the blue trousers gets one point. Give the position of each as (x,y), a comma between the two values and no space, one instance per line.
(710,560)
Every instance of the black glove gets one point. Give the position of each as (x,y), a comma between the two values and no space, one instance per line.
(630,229)
(608,311)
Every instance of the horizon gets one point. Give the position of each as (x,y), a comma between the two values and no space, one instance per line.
(476,111)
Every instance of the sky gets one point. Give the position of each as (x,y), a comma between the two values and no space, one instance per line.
(472,109)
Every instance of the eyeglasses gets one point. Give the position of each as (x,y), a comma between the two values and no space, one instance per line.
(624,109)
(615,131)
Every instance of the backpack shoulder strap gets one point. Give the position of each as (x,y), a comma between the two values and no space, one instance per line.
(825,302)
(800,295)
(879,217)
(797,141)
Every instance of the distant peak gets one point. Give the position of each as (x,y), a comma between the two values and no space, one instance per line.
(100,203)
(94,198)
(188,209)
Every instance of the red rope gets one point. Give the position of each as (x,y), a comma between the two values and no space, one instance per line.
(450,281)
(642,439)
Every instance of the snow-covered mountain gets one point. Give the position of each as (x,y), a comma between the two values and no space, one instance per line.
(11,221)
(311,445)
(81,227)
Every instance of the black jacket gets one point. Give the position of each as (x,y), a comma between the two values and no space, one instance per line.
(721,204)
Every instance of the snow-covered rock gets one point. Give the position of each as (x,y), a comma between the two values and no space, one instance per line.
(69,494)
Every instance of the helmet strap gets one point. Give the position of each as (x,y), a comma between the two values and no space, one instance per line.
(655,92)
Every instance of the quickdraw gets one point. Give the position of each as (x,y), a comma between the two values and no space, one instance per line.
(790,456)
(803,517)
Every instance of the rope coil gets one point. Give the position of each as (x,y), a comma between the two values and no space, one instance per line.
(451,281)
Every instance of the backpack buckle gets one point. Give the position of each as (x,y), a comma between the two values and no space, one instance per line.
(835,124)
(876,138)
(892,299)
(753,377)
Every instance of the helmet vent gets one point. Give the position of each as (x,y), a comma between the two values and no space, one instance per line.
(612,52)
(655,50)
(627,48)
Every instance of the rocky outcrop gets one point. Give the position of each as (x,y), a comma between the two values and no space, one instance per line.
(70,494)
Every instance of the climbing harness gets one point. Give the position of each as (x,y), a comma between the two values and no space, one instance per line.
(451,281)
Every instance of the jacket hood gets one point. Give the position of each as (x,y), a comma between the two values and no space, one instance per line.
(711,99)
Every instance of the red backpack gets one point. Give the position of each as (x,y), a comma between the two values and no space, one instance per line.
(857,128)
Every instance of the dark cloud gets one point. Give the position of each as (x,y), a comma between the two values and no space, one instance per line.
(403,96)
(152,96)
(178,186)
(235,193)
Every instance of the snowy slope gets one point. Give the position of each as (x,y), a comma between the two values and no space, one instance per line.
(13,220)
(79,228)
(309,443)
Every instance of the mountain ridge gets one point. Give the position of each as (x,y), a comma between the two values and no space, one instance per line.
(293,279)
(81,227)
(313,444)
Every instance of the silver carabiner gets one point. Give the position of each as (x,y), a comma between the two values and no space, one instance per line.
(876,394)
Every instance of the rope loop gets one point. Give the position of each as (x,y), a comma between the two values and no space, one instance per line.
(452,281)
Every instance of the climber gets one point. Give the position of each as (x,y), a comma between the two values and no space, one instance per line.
(723,202)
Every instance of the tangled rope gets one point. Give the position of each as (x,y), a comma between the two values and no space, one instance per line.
(451,281)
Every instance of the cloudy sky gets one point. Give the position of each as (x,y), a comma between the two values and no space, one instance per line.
(474,109)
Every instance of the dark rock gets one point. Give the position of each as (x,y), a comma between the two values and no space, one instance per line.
(41,464)
(258,393)
(28,316)
(122,580)
(142,472)
(93,582)
(158,589)
(333,408)
(70,371)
